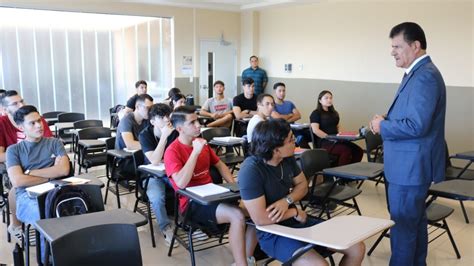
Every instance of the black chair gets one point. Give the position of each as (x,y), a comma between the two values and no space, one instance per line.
(436,215)
(374,152)
(453,172)
(95,195)
(88,123)
(67,138)
(320,195)
(4,203)
(96,155)
(232,154)
(49,115)
(120,170)
(106,244)
(79,125)
(113,112)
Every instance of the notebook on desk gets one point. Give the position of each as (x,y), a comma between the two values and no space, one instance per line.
(207,190)
(348,134)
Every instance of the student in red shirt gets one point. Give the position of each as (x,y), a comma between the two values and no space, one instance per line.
(188,160)
(11,134)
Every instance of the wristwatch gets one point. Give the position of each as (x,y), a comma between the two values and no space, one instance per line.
(289,200)
(27,172)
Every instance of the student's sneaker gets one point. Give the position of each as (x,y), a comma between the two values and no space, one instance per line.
(16,233)
(200,235)
(250,261)
(168,235)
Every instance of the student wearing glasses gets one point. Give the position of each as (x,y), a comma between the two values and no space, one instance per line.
(10,134)
(270,183)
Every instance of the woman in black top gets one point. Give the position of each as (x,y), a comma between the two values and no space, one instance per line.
(325,121)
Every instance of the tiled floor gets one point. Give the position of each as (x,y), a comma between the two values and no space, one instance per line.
(371,202)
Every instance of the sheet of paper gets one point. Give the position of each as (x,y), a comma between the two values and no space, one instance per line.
(159,167)
(39,189)
(228,139)
(207,190)
(76,180)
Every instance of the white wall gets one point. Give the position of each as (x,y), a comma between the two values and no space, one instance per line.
(349,41)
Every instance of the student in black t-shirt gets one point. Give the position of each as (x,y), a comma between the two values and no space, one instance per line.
(154,139)
(141,88)
(325,121)
(270,183)
(245,104)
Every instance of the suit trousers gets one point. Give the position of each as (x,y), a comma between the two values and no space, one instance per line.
(409,236)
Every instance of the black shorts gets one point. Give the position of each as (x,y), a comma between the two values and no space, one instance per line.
(203,214)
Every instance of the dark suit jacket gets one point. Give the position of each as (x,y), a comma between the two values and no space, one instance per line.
(413,132)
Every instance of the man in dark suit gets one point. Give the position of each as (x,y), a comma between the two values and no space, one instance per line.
(413,135)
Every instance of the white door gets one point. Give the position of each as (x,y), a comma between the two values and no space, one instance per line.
(218,61)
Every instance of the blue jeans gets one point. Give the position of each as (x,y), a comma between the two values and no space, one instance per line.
(26,208)
(27,211)
(156,193)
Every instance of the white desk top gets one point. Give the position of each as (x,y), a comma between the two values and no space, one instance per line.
(339,233)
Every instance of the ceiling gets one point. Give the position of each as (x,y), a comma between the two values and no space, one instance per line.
(230,5)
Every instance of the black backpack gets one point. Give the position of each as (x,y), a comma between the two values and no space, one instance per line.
(67,201)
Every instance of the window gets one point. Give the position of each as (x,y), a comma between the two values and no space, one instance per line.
(64,61)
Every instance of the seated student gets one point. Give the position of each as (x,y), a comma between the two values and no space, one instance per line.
(245,104)
(324,121)
(133,123)
(287,110)
(270,182)
(11,133)
(283,108)
(265,105)
(188,160)
(141,88)
(128,130)
(218,107)
(33,161)
(154,139)
(177,100)
(171,93)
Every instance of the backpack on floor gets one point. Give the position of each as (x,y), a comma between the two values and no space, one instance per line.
(67,201)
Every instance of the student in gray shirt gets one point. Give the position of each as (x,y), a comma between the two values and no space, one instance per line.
(218,107)
(133,123)
(33,161)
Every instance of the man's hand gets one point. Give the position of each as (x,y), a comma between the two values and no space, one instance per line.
(166,130)
(198,144)
(301,216)
(375,124)
(277,210)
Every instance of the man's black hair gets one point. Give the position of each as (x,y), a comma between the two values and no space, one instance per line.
(19,115)
(278,84)
(159,109)
(411,32)
(178,117)
(142,98)
(5,95)
(261,96)
(247,81)
(140,82)
(267,136)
